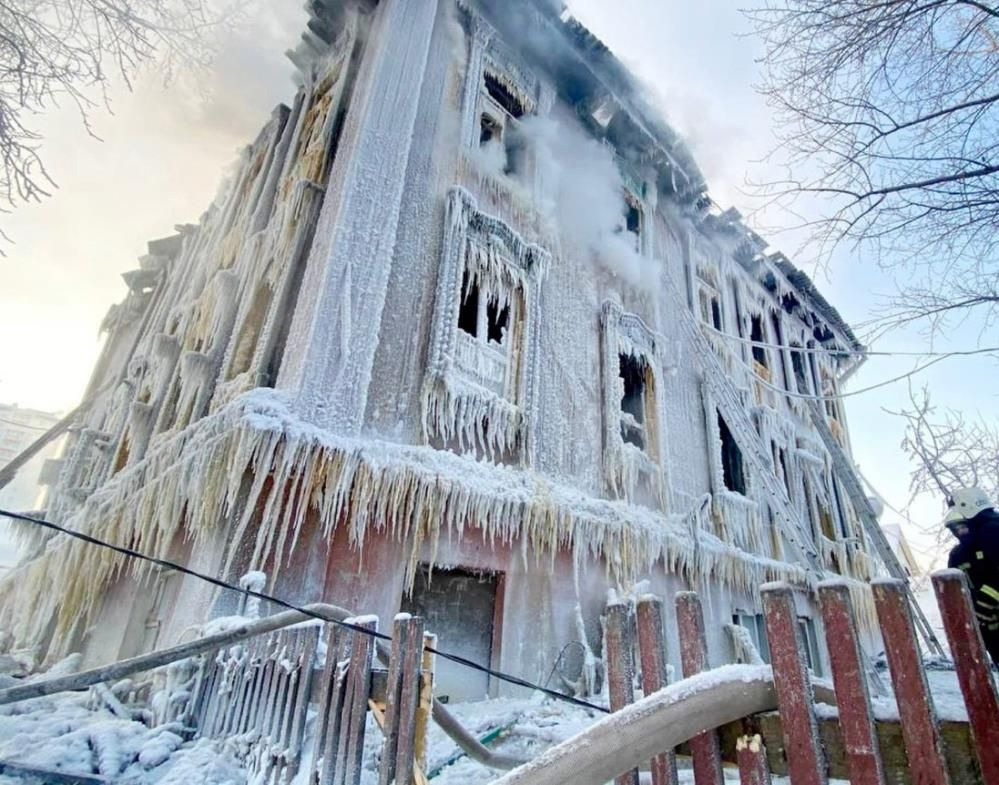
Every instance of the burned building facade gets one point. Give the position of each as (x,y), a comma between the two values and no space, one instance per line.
(466,335)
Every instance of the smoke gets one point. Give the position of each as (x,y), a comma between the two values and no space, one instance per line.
(584,194)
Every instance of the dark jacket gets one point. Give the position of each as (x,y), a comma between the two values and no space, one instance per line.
(977,554)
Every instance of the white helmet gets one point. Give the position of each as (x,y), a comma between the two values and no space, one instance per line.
(966,503)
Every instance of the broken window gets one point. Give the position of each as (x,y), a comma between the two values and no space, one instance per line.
(798,365)
(782,461)
(633,220)
(481,317)
(489,130)
(779,340)
(468,308)
(709,299)
(499,132)
(502,96)
(757,337)
(634,373)
(733,471)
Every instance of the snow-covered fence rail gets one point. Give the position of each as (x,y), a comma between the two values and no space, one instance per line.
(259,692)
(727,713)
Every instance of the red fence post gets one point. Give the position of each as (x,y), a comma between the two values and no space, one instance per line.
(974,673)
(694,659)
(805,761)
(915,704)
(752,759)
(652,656)
(620,667)
(860,739)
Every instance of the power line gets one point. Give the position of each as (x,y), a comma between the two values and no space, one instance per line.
(851,393)
(23,425)
(852,352)
(134,554)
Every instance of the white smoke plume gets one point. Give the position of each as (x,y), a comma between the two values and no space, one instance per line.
(584,193)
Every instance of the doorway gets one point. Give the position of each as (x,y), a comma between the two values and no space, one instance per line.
(459,606)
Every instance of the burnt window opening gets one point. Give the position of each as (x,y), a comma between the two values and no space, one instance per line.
(782,460)
(516,153)
(779,340)
(830,393)
(711,311)
(468,308)
(489,130)
(756,336)
(733,471)
(716,318)
(633,219)
(497,321)
(798,365)
(736,301)
(634,373)
(499,93)
(484,320)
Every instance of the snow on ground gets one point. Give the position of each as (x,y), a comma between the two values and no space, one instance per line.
(63,733)
(66,733)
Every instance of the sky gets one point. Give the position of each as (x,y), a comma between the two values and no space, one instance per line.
(163,152)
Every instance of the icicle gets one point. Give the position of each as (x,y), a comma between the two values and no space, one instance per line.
(188,483)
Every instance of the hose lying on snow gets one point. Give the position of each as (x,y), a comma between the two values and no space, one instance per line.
(636,733)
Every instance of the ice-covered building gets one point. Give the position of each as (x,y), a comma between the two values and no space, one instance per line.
(464,334)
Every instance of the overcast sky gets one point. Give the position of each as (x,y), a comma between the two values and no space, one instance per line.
(165,150)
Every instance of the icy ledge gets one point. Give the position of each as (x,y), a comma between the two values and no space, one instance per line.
(412,493)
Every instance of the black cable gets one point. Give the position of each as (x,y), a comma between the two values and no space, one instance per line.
(291,606)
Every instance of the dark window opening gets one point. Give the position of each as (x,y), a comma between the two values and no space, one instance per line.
(756,336)
(489,130)
(633,219)
(733,472)
(778,339)
(716,318)
(497,321)
(798,364)
(498,92)
(468,309)
(516,153)
(738,309)
(633,373)
(782,459)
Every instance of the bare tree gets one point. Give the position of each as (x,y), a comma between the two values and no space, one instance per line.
(54,51)
(888,124)
(949,451)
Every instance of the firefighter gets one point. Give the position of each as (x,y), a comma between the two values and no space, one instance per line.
(974,521)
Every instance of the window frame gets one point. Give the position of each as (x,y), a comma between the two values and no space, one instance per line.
(625,334)
(521,263)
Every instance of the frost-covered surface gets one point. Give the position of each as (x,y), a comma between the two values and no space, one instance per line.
(415,493)
(66,733)
(62,733)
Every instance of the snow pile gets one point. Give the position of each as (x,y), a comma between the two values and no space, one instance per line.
(63,733)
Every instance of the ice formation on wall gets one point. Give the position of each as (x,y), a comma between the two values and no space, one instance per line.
(188,485)
(475,395)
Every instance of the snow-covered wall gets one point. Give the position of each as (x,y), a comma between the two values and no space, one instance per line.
(473,293)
